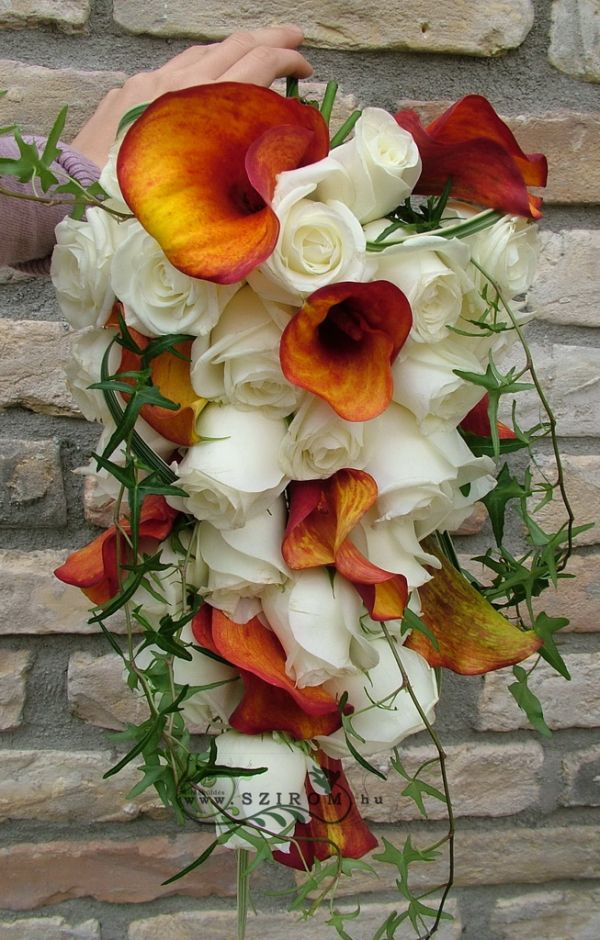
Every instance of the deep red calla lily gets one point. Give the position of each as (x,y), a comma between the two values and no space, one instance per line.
(477,422)
(342,342)
(271,700)
(473,147)
(472,636)
(335,823)
(321,518)
(94,567)
(198,169)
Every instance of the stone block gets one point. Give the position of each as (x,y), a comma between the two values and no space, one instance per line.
(31,371)
(581,773)
(582,482)
(31,485)
(551,915)
(574,704)
(485,780)
(99,694)
(69,16)
(113,871)
(575,38)
(98,508)
(33,601)
(36,94)
(567,284)
(67,786)
(464,27)
(577,598)
(14,665)
(49,928)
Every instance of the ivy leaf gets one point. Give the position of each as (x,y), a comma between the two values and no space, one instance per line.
(528,702)
(410,621)
(507,488)
(546,627)
(416,789)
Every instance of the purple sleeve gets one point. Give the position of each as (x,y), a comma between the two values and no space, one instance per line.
(28,227)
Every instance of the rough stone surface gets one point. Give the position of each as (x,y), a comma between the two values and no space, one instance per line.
(36,94)
(575,38)
(98,508)
(99,694)
(69,15)
(31,485)
(581,772)
(118,872)
(220,925)
(554,133)
(493,857)
(474,523)
(31,370)
(33,601)
(67,786)
(582,482)
(551,915)
(574,704)
(567,283)
(13,670)
(485,779)
(577,598)
(462,26)
(49,928)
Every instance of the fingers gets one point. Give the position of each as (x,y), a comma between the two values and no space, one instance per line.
(263,65)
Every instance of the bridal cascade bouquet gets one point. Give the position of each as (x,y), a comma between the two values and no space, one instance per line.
(294,345)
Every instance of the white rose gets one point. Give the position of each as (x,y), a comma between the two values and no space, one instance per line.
(318,442)
(508,251)
(425,382)
(240,362)
(83,370)
(110,183)
(157,298)
(383,728)
(274,800)
(432,272)
(392,544)
(164,593)
(240,563)
(207,705)
(319,243)
(80,268)
(235,475)
(318,624)
(382,162)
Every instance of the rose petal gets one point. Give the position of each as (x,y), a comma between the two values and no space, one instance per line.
(341,344)
(472,636)
(265,707)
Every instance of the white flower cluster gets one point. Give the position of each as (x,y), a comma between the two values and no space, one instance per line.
(258,431)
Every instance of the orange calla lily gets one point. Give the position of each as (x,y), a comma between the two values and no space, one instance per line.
(322,516)
(199,167)
(477,422)
(171,375)
(95,568)
(472,636)
(342,343)
(470,145)
(271,700)
(335,823)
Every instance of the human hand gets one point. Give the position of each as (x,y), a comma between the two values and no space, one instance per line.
(259,56)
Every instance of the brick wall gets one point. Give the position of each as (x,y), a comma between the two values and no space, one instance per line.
(79,860)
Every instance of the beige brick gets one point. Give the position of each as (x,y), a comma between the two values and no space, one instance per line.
(582,482)
(31,484)
(69,15)
(14,665)
(49,928)
(474,772)
(98,508)
(575,38)
(118,872)
(31,370)
(220,925)
(577,598)
(581,773)
(574,704)
(461,26)
(567,284)
(551,915)
(554,133)
(36,94)
(33,601)
(474,523)
(99,694)
(492,856)
(67,786)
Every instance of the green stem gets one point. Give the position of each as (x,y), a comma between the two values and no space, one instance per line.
(328,100)
(461,229)
(340,136)
(243,894)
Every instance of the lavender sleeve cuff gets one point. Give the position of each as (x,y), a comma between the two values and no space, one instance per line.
(28,227)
